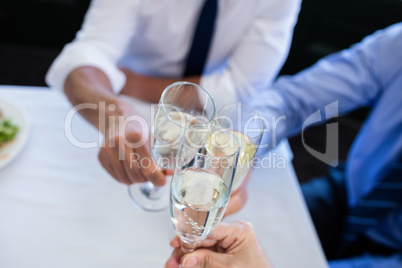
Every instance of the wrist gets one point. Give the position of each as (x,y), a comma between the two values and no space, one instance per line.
(112,114)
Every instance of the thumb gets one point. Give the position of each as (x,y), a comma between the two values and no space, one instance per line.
(203,258)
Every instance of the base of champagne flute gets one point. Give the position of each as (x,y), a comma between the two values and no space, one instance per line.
(148,197)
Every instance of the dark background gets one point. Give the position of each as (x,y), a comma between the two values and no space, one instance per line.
(33,32)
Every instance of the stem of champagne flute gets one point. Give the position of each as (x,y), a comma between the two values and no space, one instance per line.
(150,190)
(188,248)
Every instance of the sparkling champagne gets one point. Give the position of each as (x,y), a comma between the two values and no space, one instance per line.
(167,132)
(199,201)
(218,147)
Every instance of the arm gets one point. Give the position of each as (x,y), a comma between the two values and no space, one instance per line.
(102,40)
(353,77)
(87,71)
(369,261)
(90,85)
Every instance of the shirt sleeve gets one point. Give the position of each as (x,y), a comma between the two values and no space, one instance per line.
(259,56)
(350,79)
(369,261)
(105,34)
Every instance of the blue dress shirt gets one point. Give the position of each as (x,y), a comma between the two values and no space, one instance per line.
(367,74)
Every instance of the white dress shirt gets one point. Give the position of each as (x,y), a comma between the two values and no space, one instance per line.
(250,43)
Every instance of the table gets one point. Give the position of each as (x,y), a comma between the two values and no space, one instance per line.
(59,208)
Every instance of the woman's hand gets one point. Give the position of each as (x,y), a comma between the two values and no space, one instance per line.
(230,245)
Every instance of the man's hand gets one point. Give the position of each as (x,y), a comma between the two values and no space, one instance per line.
(230,245)
(126,157)
(239,197)
(124,154)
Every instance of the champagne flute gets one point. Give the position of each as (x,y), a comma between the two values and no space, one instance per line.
(181,104)
(248,126)
(202,181)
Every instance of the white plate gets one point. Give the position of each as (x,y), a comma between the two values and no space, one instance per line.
(10,150)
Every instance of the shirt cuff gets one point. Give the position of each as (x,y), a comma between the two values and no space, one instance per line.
(73,57)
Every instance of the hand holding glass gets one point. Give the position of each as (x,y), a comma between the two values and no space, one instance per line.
(182,104)
(202,182)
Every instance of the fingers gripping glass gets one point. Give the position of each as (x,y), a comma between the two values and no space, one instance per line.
(182,104)
(202,180)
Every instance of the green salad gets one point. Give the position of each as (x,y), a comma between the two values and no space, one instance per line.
(8,131)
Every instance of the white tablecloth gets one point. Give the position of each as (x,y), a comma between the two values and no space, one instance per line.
(59,208)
